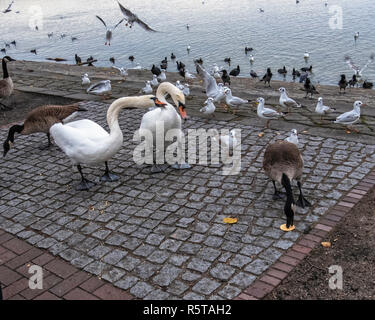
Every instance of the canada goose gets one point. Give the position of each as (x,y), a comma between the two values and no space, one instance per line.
(227,60)
(40,120)
(112,59)
(173,56)
(305,69)
(282,71)
(6,84)
(168,115)
(86,142)
(353,81)
(131,58)
(283,163)
(367,85)
(33,51)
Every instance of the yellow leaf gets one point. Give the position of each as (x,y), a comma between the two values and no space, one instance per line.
(261,134)
(230,220)
(326,244)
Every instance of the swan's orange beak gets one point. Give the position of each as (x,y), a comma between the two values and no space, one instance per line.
(181,109)
(159,103)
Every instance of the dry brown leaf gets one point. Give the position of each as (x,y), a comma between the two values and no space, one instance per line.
(326,244)
(260,135)
(230,220)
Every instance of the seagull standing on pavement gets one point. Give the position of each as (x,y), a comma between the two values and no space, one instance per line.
(322,109)
(293,137)
(287,102)
(351,117)
(267,113)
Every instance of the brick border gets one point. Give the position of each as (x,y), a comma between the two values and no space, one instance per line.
(62,281)
(277,272)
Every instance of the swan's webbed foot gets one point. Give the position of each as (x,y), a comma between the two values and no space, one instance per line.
(181,166)
(109,177)
(85,185)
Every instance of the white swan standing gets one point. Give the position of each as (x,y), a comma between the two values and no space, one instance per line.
(86,142)
(168,115)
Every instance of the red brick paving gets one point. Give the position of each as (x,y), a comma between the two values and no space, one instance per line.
(61,280)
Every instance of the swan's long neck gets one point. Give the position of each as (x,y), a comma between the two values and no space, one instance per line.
(5,69)
(142,102)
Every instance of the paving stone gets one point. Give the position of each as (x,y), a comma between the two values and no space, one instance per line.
(114,256)
(242,280)
(198,265)
(206,286)
(166,275)
(222,271)
(141,289)
(127,282)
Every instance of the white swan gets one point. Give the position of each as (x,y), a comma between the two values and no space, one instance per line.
(168,115)
(84,141)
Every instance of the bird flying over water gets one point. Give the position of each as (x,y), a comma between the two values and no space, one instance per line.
(355,68)
(9,8)
(108,35)
(132,18)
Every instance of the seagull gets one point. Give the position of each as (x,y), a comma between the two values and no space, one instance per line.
(101,88)
(306,56)
(108,35)
(232,101)
(267,113)
(351,117)
(123,71)
(261,10)
(131,18)
(33,51)
(154,81)
(230,141)
(287,102)
(209,107)
(50,35)
(162,77)
(293,137)
(356,69)
(85,79)
(186,90)
(179,85)
(188,48)
(251,59)
(9,8)
(188,75)
(213,90)
(137,67)
(322,109)
(356,36)
(147,89)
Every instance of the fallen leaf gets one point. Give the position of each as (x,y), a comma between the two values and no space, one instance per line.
(326,244)
(91,208)
(261,134)
(284,228)
(230,220)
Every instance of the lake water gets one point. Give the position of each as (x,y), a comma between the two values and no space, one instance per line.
(218,29)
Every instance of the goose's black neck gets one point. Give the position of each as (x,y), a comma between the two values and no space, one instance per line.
(288,210)
(16,128)
(5,70)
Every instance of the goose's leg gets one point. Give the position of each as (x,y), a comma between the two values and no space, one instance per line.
(277,195)
(302,201)
(85,184)
(43,146)
(108,177)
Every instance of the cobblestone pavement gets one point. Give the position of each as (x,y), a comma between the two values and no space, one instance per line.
(162,236)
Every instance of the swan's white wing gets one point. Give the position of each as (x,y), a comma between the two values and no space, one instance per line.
(88,128)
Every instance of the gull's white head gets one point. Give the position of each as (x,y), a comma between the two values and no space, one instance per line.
(320,99)
(293,132)
(282,90)
(227,91)
(358,104)
(220,85)
(260,100)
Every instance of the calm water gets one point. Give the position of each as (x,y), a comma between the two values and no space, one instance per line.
(218,28)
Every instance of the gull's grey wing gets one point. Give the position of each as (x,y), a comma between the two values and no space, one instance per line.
(350,63)
(347,117)
(371,60)
(131,17)
(270,112)
(209,82)
(290,103)
(101,21)
(118,23)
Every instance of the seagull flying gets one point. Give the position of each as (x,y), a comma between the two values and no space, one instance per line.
(131,18)
(108,35)
(355,68)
